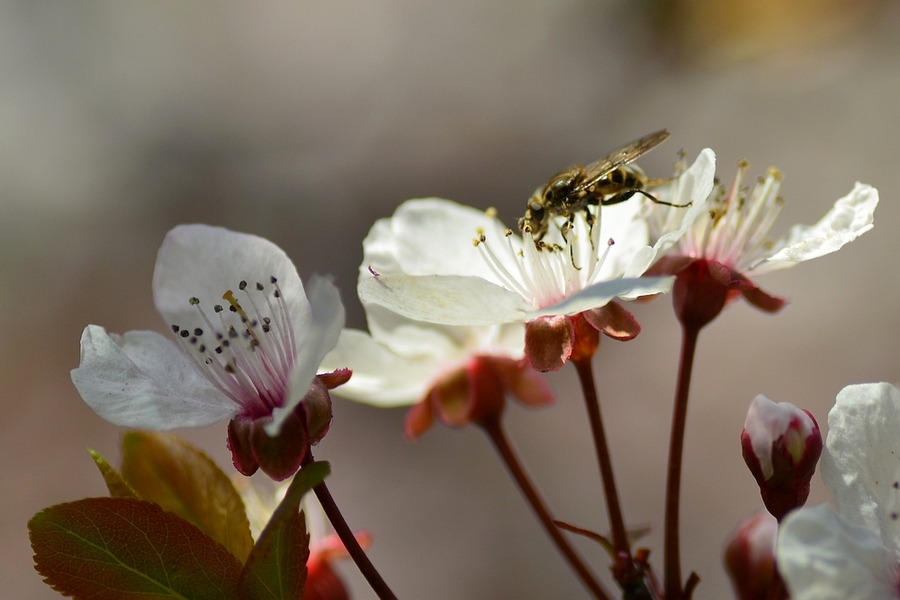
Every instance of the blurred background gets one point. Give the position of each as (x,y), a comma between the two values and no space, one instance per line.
(304,122)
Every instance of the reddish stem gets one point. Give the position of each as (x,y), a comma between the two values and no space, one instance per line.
(616,521)
(342,529)
(497,436)
(672,555)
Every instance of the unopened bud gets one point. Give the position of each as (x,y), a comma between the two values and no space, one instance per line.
(750,557)
(781,445)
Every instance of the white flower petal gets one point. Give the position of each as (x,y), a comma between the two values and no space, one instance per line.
(861,460)
(694,186)
(380,377)
(849,218)
(823,557)
(142,379)
(405,337)
(444,299)
(624,224)
(429,236)
(204,262)
(313,343)
(600,294)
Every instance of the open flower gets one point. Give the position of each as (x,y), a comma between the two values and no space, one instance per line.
(853,555)
(716,259)
(248,341)
(443,370)
(459,266)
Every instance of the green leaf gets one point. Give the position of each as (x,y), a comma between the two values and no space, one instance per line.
(165,469)
(276,568)
(113,548)
(118,487)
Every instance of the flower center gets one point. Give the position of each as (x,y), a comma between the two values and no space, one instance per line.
(736,233)
(545,272)
(247,351)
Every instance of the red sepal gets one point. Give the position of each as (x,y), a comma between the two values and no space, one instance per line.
(548,342)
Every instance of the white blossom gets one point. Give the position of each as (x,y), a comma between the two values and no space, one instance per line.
(460,266)
(248,339)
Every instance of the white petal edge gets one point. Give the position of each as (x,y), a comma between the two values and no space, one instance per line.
(204,262)
(444,299)
(849,218)
(821,556)
(380,377)
(601,294)
(313,342)
(861,459)
(143,380)
(429,236)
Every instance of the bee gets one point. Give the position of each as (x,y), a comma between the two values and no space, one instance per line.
(609,180)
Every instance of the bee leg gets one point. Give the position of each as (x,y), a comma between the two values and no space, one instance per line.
(626,194)
(620,197)
(658,201)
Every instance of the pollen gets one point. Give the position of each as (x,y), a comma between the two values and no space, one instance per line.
(544,271)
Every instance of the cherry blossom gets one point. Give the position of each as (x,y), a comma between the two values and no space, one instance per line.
(461,266)
(248,340)
(731,245)
(403,362)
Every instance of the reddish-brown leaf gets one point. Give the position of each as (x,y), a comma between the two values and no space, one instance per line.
(113,548)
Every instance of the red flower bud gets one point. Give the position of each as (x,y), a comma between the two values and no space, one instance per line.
(781,446)
(750,557)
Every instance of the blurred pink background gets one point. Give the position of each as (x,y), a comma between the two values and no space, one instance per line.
(305,122)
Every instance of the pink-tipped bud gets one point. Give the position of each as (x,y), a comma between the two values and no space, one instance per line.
(750,557)
(781,445)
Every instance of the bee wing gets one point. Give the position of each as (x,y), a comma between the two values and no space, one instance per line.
(602,167)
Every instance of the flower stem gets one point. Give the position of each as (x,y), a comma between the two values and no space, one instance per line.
(365,566)
(614,509)
(497,436)
(672,555)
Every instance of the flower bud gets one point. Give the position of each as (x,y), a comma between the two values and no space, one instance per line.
(750,557)
(781,446)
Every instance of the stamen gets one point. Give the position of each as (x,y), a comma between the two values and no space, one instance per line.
(496,265)
(253,373)
(541,272)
